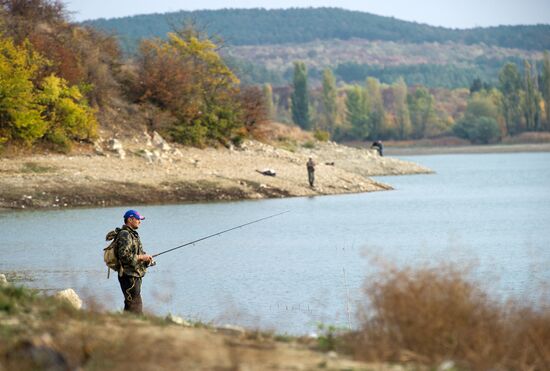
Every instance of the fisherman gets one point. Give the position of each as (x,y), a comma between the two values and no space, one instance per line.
(379,147)
(310,171)
(133,261)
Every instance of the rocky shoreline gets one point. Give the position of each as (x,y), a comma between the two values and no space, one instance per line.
(147,170)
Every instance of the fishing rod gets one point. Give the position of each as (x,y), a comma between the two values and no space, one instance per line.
(218,233)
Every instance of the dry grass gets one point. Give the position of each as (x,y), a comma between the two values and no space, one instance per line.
(529,137)
(430,315)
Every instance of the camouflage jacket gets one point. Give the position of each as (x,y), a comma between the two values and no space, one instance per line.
(128,248)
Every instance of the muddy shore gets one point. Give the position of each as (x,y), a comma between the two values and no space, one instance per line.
(149,174)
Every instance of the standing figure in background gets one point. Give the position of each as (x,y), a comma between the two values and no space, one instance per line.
(311,171)
(378,146)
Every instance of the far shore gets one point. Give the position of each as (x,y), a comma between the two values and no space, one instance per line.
(466,149)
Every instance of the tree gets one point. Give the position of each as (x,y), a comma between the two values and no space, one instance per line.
(510,86)
(480,121)
(329,100)
(268,97)
(20,114)
(357,113)
(300,99)
(187,76)
(530,99)
(421,111)
(377,114)
(67,112)
(545,87)
(402,117)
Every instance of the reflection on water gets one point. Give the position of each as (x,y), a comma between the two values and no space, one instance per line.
(290,272)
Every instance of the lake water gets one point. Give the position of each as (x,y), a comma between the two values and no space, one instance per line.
(307,266)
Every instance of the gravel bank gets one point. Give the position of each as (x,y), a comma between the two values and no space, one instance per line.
(182,174)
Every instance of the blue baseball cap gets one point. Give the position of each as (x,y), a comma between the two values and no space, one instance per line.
(133,214)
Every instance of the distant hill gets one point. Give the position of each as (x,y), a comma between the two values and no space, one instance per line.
(261,45)
(299,25)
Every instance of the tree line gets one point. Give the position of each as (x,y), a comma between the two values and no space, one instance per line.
(299,25)
(59,82)
(519,102)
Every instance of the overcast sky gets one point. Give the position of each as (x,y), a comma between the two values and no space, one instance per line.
(447,13)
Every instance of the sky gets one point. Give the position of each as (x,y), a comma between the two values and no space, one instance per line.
(446,13)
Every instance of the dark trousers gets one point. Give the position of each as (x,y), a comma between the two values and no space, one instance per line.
(131,289)
(311,177)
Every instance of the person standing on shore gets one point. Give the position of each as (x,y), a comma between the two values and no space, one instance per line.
(133,262)
(310,171)
(379,147)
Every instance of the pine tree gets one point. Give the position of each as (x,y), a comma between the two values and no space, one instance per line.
(300,100)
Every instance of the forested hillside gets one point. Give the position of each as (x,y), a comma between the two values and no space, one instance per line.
(281,26)
(262,45)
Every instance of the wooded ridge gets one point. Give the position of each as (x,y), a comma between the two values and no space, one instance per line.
(299,25)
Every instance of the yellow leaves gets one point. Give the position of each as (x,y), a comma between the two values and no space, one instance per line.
(205,56)
(30,112)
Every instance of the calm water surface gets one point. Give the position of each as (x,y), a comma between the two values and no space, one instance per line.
(306,266)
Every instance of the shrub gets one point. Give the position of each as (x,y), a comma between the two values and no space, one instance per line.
(20,114)
(477,129)
(430,315)
(321,135)
(67,112)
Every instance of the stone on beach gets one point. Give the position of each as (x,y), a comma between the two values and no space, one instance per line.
(70,296)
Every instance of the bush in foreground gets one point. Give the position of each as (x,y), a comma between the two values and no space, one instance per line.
(431,315)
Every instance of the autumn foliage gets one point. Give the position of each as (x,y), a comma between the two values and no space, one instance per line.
(186,76)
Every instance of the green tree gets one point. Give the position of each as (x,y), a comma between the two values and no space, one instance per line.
(329,100)
(402,117)
(357,113)
(480,121)
(545,87)
(300,99)
(530,99)
(268,96)
(510,87)
(20,113)
(377,113)
(421,111)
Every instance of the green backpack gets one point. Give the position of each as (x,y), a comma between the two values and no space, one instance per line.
(109,253)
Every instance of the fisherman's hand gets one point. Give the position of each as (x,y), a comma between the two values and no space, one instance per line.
(145,258)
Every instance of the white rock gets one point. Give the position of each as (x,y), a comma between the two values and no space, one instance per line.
(121,153)
(3,280)
(115,145)
(177,320)
(160,143)
(71,297)
(148,155)
(446,365)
